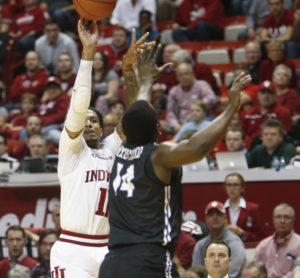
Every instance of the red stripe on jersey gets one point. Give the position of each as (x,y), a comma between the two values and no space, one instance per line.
(64,232)
(83,243)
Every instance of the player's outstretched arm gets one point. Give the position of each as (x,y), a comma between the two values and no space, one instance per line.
(169,155)
(81,93)
(130,80)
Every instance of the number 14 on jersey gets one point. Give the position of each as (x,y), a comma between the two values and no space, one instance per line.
(124,182)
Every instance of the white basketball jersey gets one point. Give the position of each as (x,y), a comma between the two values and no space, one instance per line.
(84,175)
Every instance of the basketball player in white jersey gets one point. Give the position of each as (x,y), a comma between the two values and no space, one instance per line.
(84,172)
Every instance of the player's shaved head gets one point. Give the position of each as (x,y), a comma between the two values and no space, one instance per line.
(140,124)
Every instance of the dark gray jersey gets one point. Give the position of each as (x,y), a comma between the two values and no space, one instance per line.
(143,209)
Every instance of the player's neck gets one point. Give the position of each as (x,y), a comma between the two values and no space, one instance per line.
(93,144)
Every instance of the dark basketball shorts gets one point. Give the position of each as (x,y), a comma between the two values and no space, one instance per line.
(138,261)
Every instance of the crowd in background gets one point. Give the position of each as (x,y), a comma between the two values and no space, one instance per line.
(42,34)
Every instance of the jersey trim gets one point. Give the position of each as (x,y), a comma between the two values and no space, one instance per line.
(167,212)
(83,239)
(168,269)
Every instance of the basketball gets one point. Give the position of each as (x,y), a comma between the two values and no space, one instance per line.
(94,9)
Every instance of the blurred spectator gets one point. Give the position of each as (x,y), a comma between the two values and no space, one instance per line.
(45,243)
(243,216)
(28,25)
(53,108)
(239,7)
(10,9)
(235,124)
(117,108)
(181,96)
(275,51)
(126,12)
(105,29)
(196,272)
(33,126)
(198,20)
(292,47)
(254,269)
(110,122)
(33,80)
(265,109)
(202,71)
(254,59)
(19,271)
(235,140)
(279,24)
(62,11)
(15,241)
(105,83)
(184,249)
(34,233)
(168,77)
(65,72)
(279,251)
(217,259)
(4,39)
(285,96)
(117,49)
(166,9)
(38,146)
(55,42)
(215,216)
(4,155)
(145,25)
(18,121)
(196,119)
(274,147)
(255,17)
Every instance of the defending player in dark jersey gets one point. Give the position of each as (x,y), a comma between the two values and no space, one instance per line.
(145,199)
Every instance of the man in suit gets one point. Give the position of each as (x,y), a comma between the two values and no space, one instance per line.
(243,216)
(217,259)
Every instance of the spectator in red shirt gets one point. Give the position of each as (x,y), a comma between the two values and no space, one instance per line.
(105,29)
(53,109)
(199,20)
(33,80)
(285,96)
(275,52)
(65,72)
(279,24)
(15,241)
(117,49)
(266,108)
(28,107)
(292,47)
(28,25)
(184,249)
(243,216)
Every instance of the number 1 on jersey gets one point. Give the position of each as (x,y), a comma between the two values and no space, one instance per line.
(124,182)
(100,210)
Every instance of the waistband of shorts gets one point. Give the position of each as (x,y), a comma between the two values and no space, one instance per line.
(83,239)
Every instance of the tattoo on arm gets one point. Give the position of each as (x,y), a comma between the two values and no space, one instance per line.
(131,87)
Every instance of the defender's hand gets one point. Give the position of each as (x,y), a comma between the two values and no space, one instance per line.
(147,68)
(130,57)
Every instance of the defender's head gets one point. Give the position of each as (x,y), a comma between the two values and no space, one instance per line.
(140,124)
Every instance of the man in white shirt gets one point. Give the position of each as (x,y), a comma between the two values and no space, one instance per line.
(217,259)
(126,12)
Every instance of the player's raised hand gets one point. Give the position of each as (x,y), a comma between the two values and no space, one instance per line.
(239,83)
(146,61)
(130,57)
(89,36)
